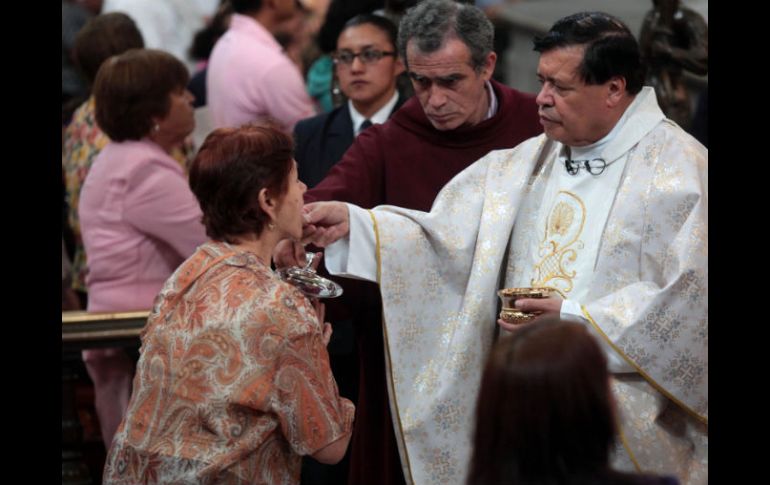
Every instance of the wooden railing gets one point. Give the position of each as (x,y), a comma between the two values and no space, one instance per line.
(83,330)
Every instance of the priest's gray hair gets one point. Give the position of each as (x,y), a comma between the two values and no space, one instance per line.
(431,23)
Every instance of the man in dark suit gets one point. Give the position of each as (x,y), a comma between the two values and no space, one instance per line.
(366,65)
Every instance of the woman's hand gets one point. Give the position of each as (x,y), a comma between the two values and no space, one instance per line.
(537,306)
(320,310)
(327,333)
(511,327)
(288,253)
(317,257)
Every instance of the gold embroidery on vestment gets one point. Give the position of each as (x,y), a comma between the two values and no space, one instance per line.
(565,221)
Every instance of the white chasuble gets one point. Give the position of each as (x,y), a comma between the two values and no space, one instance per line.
(645,292)
(556,237)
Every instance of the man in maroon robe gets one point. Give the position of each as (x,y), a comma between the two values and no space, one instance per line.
(458,115)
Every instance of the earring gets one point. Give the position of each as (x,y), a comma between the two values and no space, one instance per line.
(156,127)
(270,226)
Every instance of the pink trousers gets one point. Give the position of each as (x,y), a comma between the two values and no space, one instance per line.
(111,371)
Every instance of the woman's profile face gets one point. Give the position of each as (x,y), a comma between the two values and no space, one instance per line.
(289,215)
(180,120)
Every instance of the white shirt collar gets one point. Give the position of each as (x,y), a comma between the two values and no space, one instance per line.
(379,117)
(492,100)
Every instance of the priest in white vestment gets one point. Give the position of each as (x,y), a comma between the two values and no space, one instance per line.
(609,206)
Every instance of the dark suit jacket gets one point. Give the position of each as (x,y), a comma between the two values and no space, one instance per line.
(322,140)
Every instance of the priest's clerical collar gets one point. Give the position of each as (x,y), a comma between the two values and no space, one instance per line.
(589,157)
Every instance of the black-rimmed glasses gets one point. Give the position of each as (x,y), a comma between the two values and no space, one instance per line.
(368,56)
(594,167)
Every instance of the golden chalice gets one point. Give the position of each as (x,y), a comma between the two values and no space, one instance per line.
(509,313)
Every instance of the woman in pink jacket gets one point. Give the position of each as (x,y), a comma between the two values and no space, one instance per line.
(138,217)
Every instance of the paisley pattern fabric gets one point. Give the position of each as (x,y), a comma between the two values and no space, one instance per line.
(439,273)
(233,383)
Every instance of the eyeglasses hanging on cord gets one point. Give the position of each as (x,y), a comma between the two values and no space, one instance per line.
(594,167)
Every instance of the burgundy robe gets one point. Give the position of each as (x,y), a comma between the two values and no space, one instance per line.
(403,162)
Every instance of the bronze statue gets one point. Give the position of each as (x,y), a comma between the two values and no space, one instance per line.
(673,39)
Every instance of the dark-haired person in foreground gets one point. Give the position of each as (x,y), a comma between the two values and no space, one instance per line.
(233,382)
(609,207)
(545,412)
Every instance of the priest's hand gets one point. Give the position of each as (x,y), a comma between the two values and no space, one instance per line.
(538,306)
(325,223)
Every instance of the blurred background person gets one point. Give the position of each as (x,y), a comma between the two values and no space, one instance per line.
(367,65)
(74,89)
(138,217)
(394,10)
(320,79)
(296,35)
(233,383)
(168,25)
(674,40)
(202,44)
(545,412)
(102,37)
(249,76)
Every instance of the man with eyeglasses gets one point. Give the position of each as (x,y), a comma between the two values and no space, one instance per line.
(366,65)
(457,115)
(609,209)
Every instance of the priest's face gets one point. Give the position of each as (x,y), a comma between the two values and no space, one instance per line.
(450,90)
(571,111)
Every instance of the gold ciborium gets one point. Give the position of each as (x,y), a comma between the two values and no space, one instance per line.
(509,313)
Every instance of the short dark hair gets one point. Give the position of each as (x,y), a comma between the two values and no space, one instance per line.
(610,47)
(544,411)
(431,22)
(232,166)
(246,6)
(102,37)
(204,39)
(338,13)
(132,88)
(384,24)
